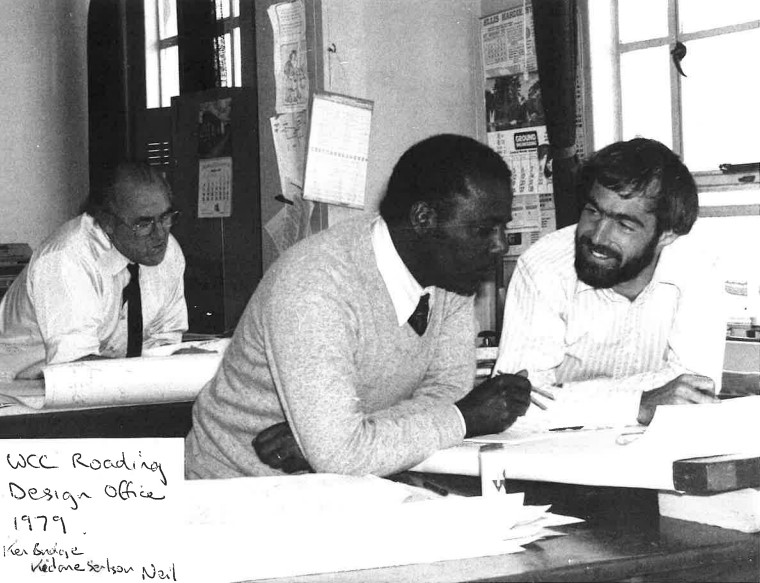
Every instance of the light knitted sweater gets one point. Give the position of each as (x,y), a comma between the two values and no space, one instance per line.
(319,345)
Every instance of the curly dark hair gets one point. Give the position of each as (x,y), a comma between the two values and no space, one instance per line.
(646,168)
(436,171)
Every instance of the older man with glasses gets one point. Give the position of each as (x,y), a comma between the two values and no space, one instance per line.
(106,284)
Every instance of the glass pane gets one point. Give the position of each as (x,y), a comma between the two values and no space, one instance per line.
(235,7)
(169,75)
(645,83)
(222,9)
(720,97)
(167,18)
(237,71)
(227,75)
(642,19)
(705,14)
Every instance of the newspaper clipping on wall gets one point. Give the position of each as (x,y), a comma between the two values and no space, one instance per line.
(516,125)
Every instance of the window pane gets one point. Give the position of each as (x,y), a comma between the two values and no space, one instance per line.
(222,9)
(706,14)
(169,75)
(720,98)
(226,60)
(642,19)
(645,83)
(237,73)
(167,18)
(235,7)
(152,67)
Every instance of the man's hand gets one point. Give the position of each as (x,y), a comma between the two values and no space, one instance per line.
(277,447)
(682,390)
(495,404)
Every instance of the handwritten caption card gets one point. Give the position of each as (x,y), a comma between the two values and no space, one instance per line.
(90,510)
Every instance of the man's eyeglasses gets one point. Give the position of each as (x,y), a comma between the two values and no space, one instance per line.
(144,226)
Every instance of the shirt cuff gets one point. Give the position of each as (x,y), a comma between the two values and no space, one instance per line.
(461,418)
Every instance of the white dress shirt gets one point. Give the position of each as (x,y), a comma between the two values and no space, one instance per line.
(403,288)
(596,350)
(67,303)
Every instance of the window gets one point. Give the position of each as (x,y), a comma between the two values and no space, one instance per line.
(708,115)
(162,72)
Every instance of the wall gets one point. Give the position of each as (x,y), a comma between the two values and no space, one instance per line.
(43,114)
(417,60)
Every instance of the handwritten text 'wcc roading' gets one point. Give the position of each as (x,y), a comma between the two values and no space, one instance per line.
(120,489)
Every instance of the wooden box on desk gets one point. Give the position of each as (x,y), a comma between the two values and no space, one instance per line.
(717,490)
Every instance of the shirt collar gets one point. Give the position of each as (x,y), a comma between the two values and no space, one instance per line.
(404,290)
(109,257)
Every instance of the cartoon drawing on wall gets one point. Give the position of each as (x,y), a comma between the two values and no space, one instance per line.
(295,78)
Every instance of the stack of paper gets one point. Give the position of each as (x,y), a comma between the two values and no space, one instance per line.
(320,523)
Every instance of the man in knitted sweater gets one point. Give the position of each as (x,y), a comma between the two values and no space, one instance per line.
(325,372)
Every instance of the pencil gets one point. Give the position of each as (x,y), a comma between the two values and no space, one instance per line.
(537,403)
(543,393)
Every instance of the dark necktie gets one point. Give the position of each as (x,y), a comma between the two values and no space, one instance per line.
(131,295)
(418,320)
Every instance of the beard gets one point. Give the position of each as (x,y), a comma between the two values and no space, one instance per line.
(606,276)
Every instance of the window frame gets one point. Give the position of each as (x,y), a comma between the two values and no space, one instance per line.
(154,45)
(601,30)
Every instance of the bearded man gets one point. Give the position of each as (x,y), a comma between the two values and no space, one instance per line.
(621,312)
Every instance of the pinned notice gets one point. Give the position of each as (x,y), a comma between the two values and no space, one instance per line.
(338,151)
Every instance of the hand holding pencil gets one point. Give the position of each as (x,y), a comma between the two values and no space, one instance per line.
(495,404)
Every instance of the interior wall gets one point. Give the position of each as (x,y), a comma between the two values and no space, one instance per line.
(417,61)
(43,114)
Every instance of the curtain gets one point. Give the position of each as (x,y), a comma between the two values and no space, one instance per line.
(555,31)
(199,68)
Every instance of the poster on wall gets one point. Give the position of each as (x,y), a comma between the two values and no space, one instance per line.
(288,21)
(215,159)
(526,150)
(215,187)
(516,124)
(507,41)
(338,151)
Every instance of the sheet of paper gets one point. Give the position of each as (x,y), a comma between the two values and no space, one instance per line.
(628,457)
(91,510)
(338,151)
(288,20)
(289,135)
(292,222)
(317,514)
(163,377)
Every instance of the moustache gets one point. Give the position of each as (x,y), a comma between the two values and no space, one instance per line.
(602,249)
